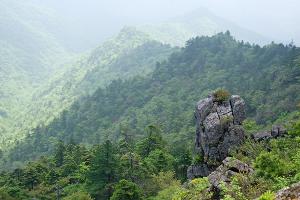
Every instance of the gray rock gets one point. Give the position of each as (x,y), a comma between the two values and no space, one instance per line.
(203,108)
(238,109)
(217,131)
(275,132)
(211,122)
(278,131)
(292,192)
(229,167)
(264,135)
(195,171)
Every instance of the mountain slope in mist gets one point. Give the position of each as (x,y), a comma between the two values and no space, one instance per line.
(200,22)
(128,54)
(29,54)
(266,77)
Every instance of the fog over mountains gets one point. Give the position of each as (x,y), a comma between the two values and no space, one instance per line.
(149,100)
(94,21)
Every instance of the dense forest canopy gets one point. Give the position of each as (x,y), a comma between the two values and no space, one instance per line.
(267,77)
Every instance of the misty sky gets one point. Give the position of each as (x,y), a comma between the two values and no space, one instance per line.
(276,19)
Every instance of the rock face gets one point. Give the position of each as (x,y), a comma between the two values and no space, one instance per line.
(275,132)
(229,167)
(289,193)
(218,129)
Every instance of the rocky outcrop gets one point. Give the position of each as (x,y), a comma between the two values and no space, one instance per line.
(218,129)
(229,168)
(289,193)
(275,132)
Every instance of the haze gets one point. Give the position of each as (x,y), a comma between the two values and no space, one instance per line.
(98,20)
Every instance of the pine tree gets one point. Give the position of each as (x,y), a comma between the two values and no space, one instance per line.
(59,154)
(103,171)
(126,190)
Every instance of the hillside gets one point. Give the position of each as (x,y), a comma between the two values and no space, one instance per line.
(266,77)
(40,79)
(200,22)
(29,55)
(128,54)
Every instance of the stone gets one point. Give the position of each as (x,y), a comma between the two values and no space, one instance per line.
(238,109)
(278,131)
(290,193)
(275,132)
(212,122)
(229,168)
(203,108)
(218,130)
(264,135)
(195,171)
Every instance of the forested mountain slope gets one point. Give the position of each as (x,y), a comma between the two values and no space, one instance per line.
(39,80)
(25,31)
(266,77)
(128,54)
(29,54)
(200,22)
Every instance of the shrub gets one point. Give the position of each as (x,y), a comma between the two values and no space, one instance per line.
(226,120)
(196,189)
(197,159)
(126,190)
(267,196)
(295,130)
(78,196)
(269,165)
(221,95)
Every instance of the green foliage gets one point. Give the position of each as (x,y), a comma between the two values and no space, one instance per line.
(103,171)
(295,131)
(197,189)
(78,196)
(59,154)
(160,182)
(129,54)
(269,165)
(251,126)
(197,159)
(124,107)
(152,142)
(267,196)
(221,95)
(232,191)
(165,96)
(126,190)
(167,194)
(5,196)
(225,121)
(159,160)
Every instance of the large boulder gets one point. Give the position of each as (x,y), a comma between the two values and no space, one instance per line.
(218,129)
(229,168)
(195,171)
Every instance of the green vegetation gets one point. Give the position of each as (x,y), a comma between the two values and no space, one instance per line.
(128,54)
(29,55)
(221,95)
(267,196)
(126,190)
(106,171)
(166,96)
(99,148)
(118,171)
(79,128)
